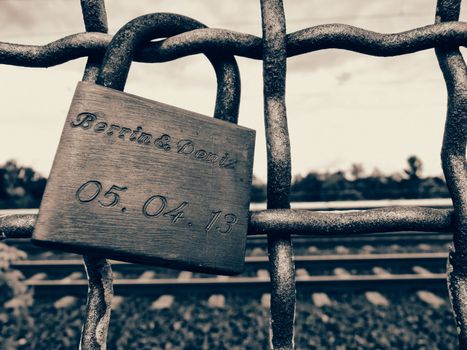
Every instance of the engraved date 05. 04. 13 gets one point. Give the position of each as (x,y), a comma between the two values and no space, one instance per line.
(153,207)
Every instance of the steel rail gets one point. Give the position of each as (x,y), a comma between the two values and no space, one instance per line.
(328,36)
(374,239)
(314,262)
(438,203)
(154,287)
(354,241)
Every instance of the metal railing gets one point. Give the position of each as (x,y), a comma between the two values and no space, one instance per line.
(279,221)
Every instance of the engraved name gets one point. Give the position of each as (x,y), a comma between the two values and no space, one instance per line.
(185,147)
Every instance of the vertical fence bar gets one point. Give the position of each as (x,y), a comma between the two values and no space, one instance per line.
(98,270)
(95,20)
(454,71)
(100,292)
(280,251)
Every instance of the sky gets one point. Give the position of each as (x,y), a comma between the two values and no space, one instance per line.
(342,107)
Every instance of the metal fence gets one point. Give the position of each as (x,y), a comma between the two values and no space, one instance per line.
(279,221)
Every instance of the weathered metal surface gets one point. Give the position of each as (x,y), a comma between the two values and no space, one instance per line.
(113,73)
(305,222)
(100,293)
(98,270)
(17,225)
(338,36)
(454,71)
(95,20)
(343,36)
(94,16)
(174,191)
(282,269)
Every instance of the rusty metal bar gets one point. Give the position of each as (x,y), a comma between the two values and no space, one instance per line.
(337,36)
(304,222)
(98,306)
(94,16)
(281,267)
(454,71)
(17,225)
(95,20)
(98,269)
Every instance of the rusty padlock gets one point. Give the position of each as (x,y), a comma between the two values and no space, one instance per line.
(141,181)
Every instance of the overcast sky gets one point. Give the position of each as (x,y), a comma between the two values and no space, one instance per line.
(343,107)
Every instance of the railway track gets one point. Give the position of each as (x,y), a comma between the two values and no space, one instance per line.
(251,285)
(317,273)
(318,262)
(302,244)
(323,273)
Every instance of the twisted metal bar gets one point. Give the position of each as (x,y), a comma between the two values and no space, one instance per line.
(329,36)
(346,37)
(453,160)
(98,269)
(94,16)
(305,222)
(95,20)
(98,306)
(281,265)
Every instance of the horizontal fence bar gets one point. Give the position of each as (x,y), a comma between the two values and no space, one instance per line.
(302,222)
(328,36)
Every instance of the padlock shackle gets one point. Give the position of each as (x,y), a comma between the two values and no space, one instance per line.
(133,35)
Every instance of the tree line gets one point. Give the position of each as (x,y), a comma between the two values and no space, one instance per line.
(355,184)
(23,187)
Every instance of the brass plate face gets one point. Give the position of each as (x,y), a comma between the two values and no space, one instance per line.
(141,181)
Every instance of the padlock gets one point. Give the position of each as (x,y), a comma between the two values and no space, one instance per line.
(141,181)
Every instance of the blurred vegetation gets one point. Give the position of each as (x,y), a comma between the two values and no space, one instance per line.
(22,187)
(355,184)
